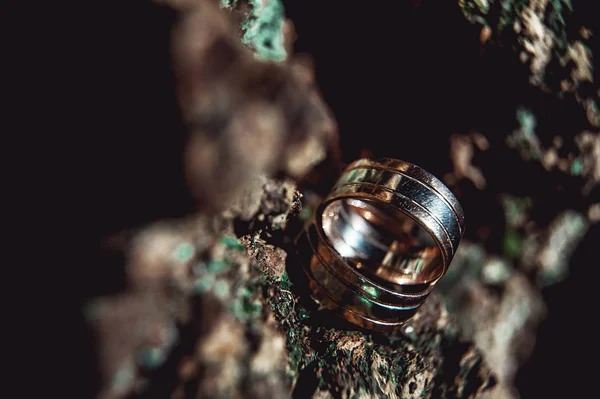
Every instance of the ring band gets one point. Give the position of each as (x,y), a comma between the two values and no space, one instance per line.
(379,242)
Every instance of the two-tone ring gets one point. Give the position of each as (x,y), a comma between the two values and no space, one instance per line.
(379,242)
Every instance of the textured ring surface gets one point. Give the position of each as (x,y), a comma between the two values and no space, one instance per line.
(379,242)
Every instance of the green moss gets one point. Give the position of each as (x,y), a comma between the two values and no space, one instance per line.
(184,252)
(475,10)
(526,120)
(245,304)
(284,306)
(263,29)
(577,167)
(513,243)
(516,209)
(232,242)
(221,289)
(350,367)
(502,13)
(303,314)
(285,282)
(290,316)
(203,285)
(227,3)
(256,308)
(555,18)
(524,139)
(216,266)
(306,212)
(237,308)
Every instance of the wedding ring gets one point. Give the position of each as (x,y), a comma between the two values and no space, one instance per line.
(379,242)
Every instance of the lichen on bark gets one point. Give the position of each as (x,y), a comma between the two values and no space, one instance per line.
(559,61)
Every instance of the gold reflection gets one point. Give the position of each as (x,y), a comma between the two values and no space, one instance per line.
(382,242)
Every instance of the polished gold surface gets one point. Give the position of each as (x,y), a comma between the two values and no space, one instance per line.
(380,241)
(388,245)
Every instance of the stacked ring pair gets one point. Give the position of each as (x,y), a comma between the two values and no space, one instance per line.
(379,242)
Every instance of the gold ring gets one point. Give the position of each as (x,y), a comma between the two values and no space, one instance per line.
(379,242)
